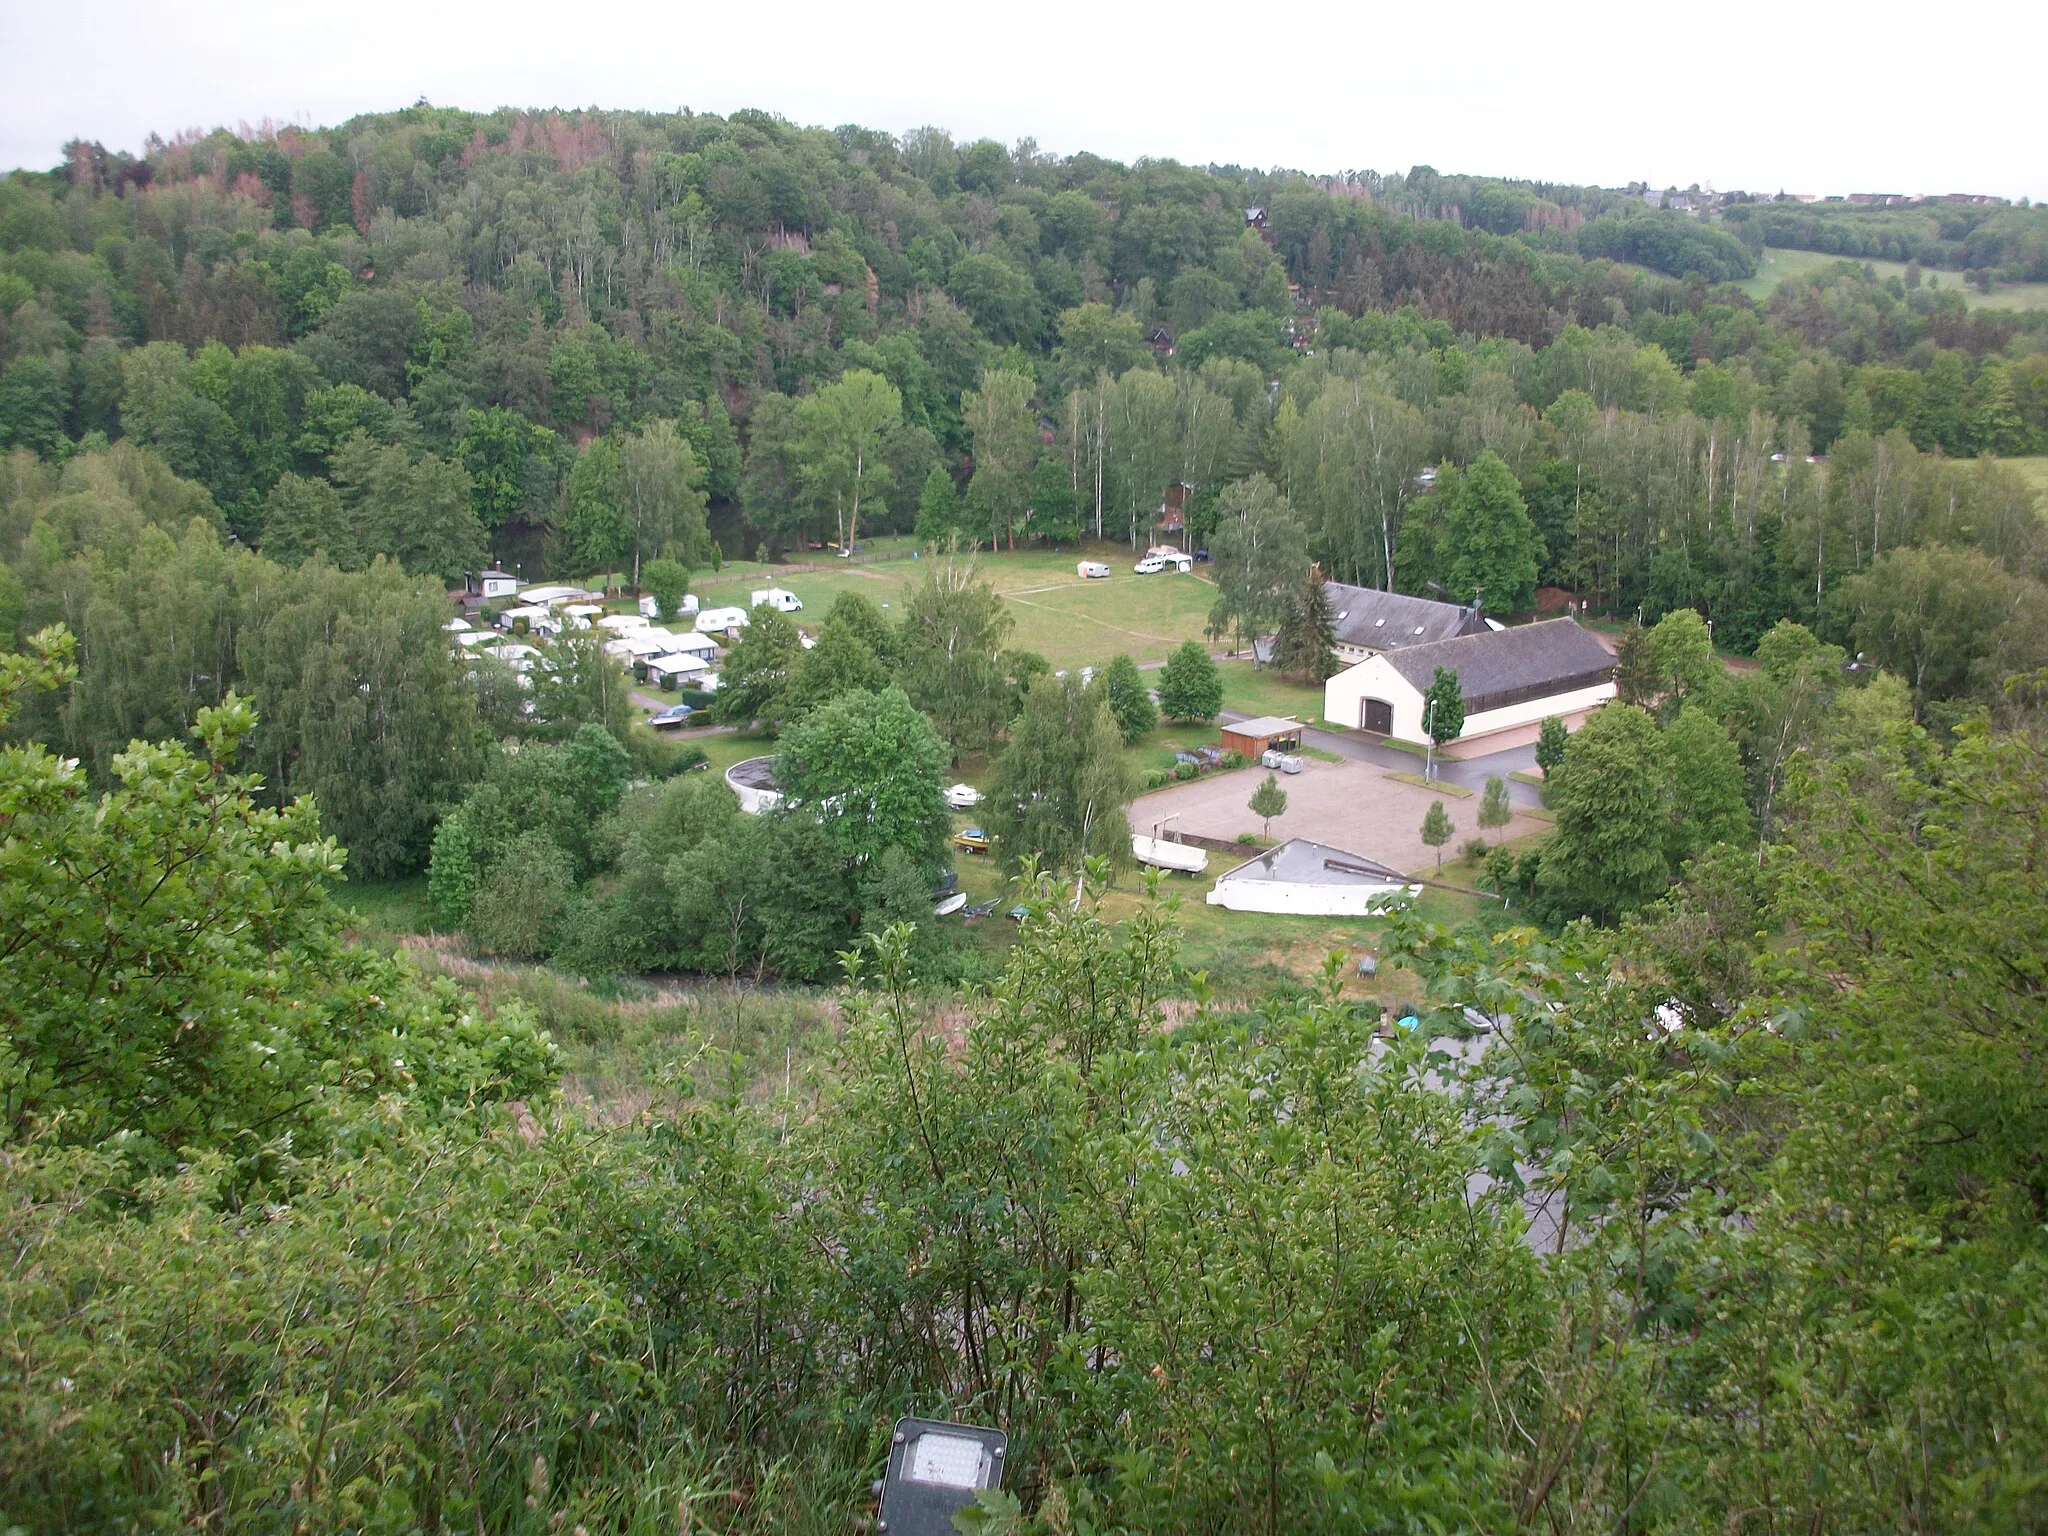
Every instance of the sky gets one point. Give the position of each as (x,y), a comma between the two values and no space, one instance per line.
(1759,95)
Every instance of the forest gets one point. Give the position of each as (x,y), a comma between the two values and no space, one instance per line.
(1706,1192)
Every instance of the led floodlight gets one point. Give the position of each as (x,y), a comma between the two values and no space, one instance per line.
(935,1469)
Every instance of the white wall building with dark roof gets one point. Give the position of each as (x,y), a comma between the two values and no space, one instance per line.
(1369,621)
(1509,677)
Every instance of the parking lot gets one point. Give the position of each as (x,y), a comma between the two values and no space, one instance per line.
(1352,806)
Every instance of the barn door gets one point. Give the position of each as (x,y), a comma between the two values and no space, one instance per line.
(1379,717)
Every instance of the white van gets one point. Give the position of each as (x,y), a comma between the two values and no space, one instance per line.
(778,598)
(1091,570)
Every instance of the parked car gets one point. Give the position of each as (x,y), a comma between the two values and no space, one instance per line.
(672,717)
(1152,565)
(963,797)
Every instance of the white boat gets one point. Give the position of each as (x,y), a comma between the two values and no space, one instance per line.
(963,797)
(1161,854)
(950,905)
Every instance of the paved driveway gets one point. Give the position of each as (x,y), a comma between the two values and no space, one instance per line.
(1351,805)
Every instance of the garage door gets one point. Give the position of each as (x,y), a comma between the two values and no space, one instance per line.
(1379,717)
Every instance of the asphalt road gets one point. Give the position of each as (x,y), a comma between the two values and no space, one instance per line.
(1470,773)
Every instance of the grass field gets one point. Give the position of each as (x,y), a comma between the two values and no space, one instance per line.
(1778,266)
(2035,470)
(1070,622)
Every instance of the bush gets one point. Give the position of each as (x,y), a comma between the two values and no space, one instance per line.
(1186,771)
(1231,760)
(1249,839)
(655,757)
(1157,778)
(1474,848)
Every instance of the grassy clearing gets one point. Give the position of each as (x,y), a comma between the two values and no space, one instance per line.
(1261,691)
(1778,266)
(2035,472)
(1069,621)
(382,912)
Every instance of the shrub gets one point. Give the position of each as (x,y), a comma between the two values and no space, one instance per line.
(1474,848)
(1157,778)
(1231,760)
(1249,839)
(1186,771)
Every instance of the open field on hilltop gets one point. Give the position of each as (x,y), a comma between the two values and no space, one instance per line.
(1071,622)
(1779,265)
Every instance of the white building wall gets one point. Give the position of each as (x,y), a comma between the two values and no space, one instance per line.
(1345,694)
(1304,900)
(1536,709)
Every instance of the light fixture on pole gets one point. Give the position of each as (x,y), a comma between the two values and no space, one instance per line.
(935,1470)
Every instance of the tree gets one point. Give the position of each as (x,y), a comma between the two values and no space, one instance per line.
(1709,792)
(867,766)
(1551,738)
(32,402)
(952,633)
(1138,440)
(1306,645)
(1129,700)
(1437,829)
(840,432)
(600,529)
(857,615)
(1059,790)
(1260,549)
(668,580)
(938,508)
(1612,800)
(364,706)
(302,517)
(1191,686)
(576,684)
(1931,615)
(1495,811)
(1005,433)
(173,979)
(1268,800)
(660,489)
(1635,670)
(1443,706)
(416,511)
(1492,550)
(758,670)
(840,663)
(1680,651)
(1096,339)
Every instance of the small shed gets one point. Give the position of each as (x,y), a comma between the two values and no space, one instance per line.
(671,671)
(1254,737)
(1311,880)
(496,584)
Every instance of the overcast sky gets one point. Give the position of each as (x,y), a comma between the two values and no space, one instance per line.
(1755,94)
